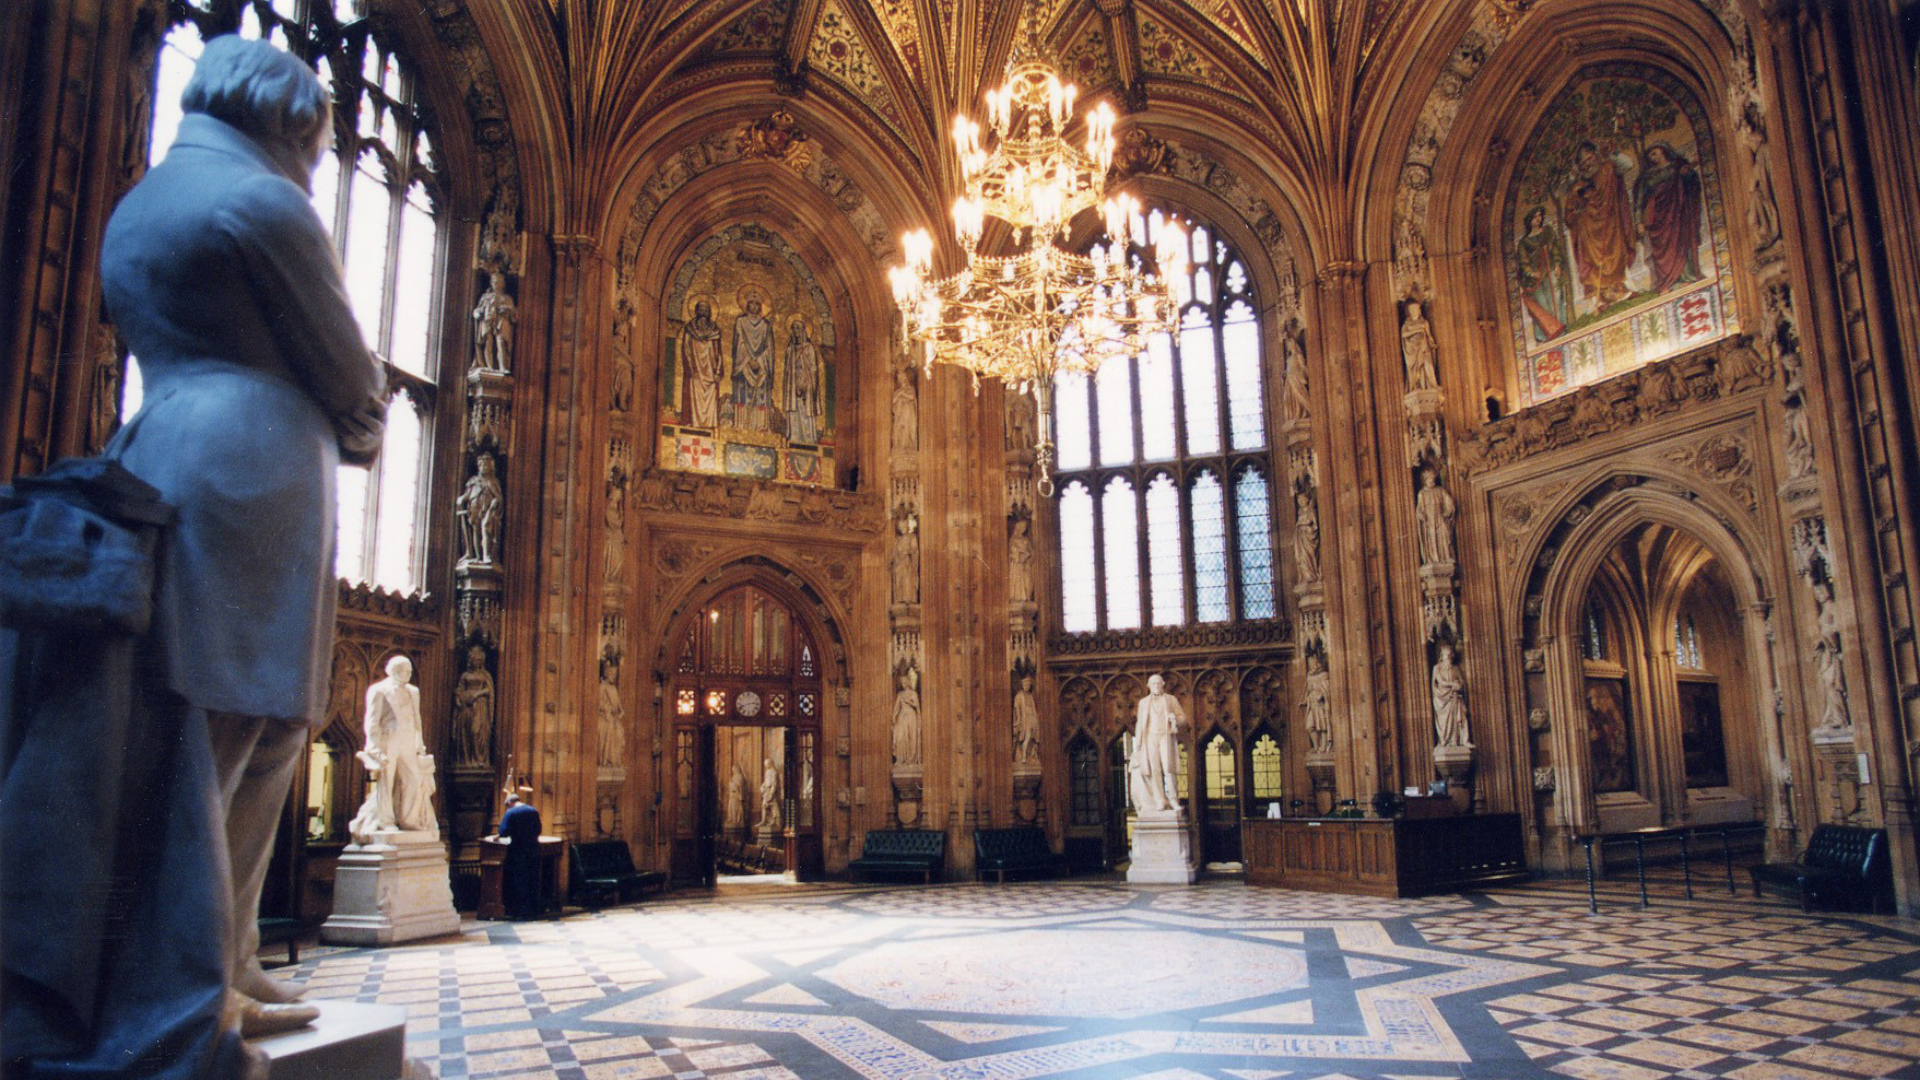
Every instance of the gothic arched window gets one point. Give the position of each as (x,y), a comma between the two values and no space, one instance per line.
(1164,504)
(378,195)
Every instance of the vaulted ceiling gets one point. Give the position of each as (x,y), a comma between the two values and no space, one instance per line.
(1303,77)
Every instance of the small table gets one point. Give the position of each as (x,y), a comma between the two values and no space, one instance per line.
(1683,833)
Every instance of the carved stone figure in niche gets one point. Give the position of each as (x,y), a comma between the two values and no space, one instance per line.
(803,386)
(1020,562)
(494,318)
(104,415)
(613,715)
(1306,536)
(399,768)
(752,368)
(479,509)
(614,546)
(1026,724)
(1155,766)
(906,719)
(1297,404)
(1020,421)
(700,348)
(1449,701)
(1416,348)
(1826,659)
(473,710)
(1317,706)
(497,240)
(769,796)
(906,562)
(1434,509)
(737,798)
(620,394)
(1661,387)
(906,418)
(1798,437)
(1763,209)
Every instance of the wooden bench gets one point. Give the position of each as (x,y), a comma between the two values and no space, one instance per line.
(603,869)
(1843,865)
(901,851)
(283,932)
(1017,849)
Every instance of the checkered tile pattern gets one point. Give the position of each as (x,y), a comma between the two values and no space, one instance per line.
(1516,984)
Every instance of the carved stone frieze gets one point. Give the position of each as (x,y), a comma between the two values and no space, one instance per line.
(1724,459)
(733,497)
(1707,374)
(1169,638)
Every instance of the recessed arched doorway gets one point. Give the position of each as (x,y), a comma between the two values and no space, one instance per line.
(745,695)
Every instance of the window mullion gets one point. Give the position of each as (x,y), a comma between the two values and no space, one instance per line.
(1190,587)
(1143,548)
(1097,498)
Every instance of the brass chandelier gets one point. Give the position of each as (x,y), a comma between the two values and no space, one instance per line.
(1038,310)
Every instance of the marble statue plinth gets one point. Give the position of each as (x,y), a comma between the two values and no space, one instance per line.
(350,1041)
(1162,851)
(392,890)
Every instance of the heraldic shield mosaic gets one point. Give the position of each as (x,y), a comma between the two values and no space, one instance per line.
(1616,240)
(747,379)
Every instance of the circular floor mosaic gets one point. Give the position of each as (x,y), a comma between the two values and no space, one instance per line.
(1067,973)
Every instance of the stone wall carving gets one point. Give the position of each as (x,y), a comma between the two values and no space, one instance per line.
(734,498)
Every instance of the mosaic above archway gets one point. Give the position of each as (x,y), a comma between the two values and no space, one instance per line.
(747,382)
(1615,237)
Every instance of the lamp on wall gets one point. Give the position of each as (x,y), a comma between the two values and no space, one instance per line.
(1036,310)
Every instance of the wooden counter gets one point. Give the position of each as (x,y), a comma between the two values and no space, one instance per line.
(1385,856)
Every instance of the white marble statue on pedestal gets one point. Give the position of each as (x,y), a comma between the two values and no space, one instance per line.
(391,884)
(398,765)
(1162,849)
(1155,765)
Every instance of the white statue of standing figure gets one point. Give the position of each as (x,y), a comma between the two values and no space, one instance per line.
(1449,701)
(769,795)
(737,798)
(396,758)
(1026,724)
(1826,656)
(1155,767)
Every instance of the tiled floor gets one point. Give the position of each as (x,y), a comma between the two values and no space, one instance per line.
(1096,979)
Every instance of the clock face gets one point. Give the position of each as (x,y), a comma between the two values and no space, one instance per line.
(747,704)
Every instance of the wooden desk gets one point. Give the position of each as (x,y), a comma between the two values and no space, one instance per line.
(1385,856)
(493,857)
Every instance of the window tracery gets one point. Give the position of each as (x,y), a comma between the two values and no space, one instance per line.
(378,193)
(1162,437)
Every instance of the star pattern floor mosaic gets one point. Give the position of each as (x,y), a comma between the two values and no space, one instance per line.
(1093,979)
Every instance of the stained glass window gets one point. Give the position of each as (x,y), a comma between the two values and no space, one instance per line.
(1256,546)
(1220,769)
(1266,770)
(1168,577)
(375,192)
(1121,521)
(1078,604)
(1195,399)
(1083,765)
(1209,550)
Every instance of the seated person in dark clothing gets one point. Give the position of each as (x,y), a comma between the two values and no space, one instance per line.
(520,827)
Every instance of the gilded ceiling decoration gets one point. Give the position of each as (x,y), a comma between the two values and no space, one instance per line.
(1301,75)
